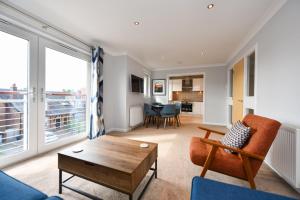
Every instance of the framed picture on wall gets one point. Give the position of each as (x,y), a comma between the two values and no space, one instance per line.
(159,87)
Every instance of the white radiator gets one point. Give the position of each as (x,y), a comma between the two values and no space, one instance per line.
(135,116)
(284,155)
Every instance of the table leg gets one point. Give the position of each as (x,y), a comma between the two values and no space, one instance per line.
(60,182)
(155,168)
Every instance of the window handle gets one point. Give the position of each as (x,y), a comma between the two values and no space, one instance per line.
(42,94)
(33,94)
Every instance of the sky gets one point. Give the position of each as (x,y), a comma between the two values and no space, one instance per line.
(62,71)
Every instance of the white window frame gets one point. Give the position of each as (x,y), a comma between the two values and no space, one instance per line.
(43,44)
(36,143)
(32,85)
(147,92)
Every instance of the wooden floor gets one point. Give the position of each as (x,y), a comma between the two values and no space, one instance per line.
(175,170)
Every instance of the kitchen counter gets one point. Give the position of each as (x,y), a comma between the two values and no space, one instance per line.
(179,101)
(198,107)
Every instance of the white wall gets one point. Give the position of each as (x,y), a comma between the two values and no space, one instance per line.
(278,65)
(117,91)
(215,91)
(28,23)
(133,99)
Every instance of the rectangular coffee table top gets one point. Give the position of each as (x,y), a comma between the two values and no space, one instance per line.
(116,153)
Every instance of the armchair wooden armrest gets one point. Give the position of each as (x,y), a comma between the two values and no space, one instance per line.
(243,155)
(239,151)
(209,131)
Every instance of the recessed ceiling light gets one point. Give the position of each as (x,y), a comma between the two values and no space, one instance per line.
(202,53)
(136,23)
(210,6)
(45,26)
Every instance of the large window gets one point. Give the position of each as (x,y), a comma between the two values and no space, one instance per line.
(66,95)
(146,85)
(44,92)
(13,94)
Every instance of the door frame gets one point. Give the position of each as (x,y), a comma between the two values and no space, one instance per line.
(32,96)
(204,88)
(46,43)
(248,102)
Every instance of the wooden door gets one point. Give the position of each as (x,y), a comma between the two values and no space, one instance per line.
(238,91)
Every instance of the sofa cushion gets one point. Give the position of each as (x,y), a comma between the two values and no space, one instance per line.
(236,136)
(205,189)
(12,189)
(54,198)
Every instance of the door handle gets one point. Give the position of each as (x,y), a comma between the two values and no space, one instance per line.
(240,100)
(42,94)
(33,94)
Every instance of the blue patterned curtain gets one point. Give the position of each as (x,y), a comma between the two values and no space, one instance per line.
(96,120)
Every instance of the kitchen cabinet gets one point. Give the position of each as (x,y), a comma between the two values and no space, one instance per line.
(197,84)
(177,85)
(198,108)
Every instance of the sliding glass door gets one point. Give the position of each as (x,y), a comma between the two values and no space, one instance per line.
(17,93)
(63,87)
(44,89)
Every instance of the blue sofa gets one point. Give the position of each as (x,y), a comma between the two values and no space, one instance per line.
(12,189)
(205,189)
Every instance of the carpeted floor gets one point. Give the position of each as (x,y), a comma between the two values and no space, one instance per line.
(175,170)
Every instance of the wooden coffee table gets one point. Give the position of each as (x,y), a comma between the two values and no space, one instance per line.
(114,162)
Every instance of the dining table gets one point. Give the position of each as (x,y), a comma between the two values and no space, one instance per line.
(159,106)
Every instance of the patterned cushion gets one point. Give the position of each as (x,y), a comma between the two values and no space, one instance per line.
(237,136)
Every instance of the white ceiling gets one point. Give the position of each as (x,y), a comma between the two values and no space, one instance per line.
(172,33)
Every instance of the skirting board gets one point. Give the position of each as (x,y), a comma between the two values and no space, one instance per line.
(118,130)
(214,124)
(123,130)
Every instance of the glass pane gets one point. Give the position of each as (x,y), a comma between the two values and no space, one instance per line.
(251,74)
(230,82)
(145,85)
(13,94)
(66,87)
(250,111)
(230,114)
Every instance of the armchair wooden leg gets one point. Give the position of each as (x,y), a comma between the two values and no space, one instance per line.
(248,171)
(209,159)
(207,134)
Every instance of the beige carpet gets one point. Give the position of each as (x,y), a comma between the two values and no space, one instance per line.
(175,170)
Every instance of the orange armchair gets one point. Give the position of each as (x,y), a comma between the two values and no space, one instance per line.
(245,162)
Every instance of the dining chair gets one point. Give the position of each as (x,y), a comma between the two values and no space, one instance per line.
(178,109)
(168,113)
(149,115)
